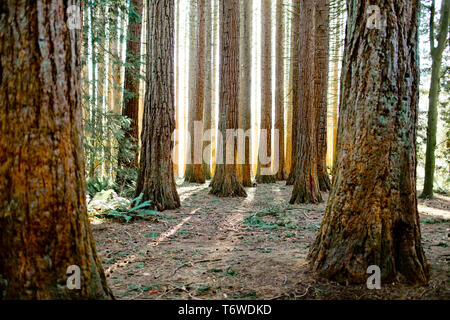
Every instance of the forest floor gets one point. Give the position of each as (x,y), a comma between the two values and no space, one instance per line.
(246,248)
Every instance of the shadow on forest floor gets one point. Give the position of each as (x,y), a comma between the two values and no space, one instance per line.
(244,248)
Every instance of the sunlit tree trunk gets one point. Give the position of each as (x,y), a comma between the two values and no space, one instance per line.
(44,226)
(264,171)
(225,183)
(306,183)
(156,179)
(321,56)
(371,216)
(279,91)
(245,108)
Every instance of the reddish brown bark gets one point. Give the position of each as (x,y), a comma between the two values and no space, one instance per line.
(265,140)
(371,216)
(44,227)
(321,56)
(156,179)
(225,183)
(306,184)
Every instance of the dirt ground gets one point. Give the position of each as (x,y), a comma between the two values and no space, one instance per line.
(252,248)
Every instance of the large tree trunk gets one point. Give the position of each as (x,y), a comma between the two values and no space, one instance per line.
(131,87)
(245,108)
(207,121)
(279,90)
(225,183)
(321,56)
(156,180)
(436,55)
(264,170)
(306,183)
(371,217)
(295,60)
(44,227)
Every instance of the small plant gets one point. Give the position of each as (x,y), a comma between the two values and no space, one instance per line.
(139,209)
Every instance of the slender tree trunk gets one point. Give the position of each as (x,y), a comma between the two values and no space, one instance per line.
(207,121)
(279,91)
(214,80)
(44,227)
(264,171)
(156,180)
(436,55)
(225,183)
(131,87)
(321,57)
(295,61)
(289,95)
(306,182)
(245,108)
(371,216)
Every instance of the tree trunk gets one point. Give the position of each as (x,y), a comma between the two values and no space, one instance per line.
(264,171)
(44,227)
(207,121)
(156,180)
(194,170)
(245,108)
(436,55)
(371,217)
(131,87)
(225,183)
(279,91)
(321,56)
(295,60)
(306,182)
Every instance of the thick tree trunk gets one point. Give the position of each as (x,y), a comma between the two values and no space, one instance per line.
(306,183)
(279,91)
(321,56)
(207,121)
(436,55)
(131,87)
(371,216)
(225,183)
(44,227)
(156,180)
(295,61)
(264,171)
(245,108)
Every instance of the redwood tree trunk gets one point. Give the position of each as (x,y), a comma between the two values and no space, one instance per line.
(279,91)
(371,216)
(264,171)
(44,227)
(244,170)
(295,60)
(156,179)
(131,87)
(225,183)
(321,57)
(306,184)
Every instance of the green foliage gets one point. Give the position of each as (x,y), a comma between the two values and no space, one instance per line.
(139,209)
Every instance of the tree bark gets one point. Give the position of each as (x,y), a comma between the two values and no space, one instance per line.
(306,182)
(44,227)
(295,60)
(156,179)
(131,87)
(225,183)
(245,108)
(264,170)
(321,56)
(371,216)
(279,90)
(436,56)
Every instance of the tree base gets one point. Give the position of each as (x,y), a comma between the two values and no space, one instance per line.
(226,184)
(303,193)
(265,179)
(194,174)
